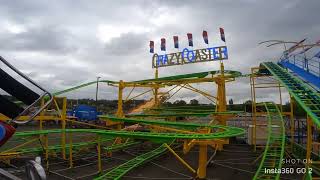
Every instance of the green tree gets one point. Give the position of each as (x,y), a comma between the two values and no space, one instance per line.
(231,101)
(194,102)
(248,106)
(180,102)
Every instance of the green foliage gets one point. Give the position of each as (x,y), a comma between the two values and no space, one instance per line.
(231,101)
(194,102)
(297,110)
(180,102)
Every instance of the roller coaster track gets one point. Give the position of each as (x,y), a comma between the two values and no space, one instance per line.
(177,114)
(162,79)
(274,150)
(304,95)
(81,86)
(57,148)
(224,132)
(117,172)
(208,111)
(184,125)
(121,146)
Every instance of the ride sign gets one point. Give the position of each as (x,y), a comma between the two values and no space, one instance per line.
(190,56)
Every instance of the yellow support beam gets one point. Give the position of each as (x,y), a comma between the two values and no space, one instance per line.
(120,103)
(203,153)
(63,126)
(221,95)
(23,118)
(138,95)
(156,89)
(41,115)
(99,154)
(164,83)
(46,147)
(19,146)
(170,129)
(70,151)
(180,159)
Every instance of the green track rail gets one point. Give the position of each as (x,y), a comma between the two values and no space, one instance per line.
(170,115)
(192,75)
(117,172)
(304,95)
(155,137)
(168,78)
(274,150)
(201,107)
(57,148)
(299,152)
(116,147)
(75,146)
(184,125)
(178,110)
(223,131)
(82,86)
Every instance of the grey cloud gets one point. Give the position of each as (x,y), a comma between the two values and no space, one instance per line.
(44,39)
(65,33)
(127,44)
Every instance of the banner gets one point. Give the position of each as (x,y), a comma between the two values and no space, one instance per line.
(187,56)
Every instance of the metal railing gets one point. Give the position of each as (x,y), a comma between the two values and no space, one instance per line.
(44,94)
(311,65)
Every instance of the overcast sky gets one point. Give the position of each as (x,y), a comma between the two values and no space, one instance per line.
(63,43)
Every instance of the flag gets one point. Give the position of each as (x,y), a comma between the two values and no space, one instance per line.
(151,46)
(317,55)
(163,44)
(294,47)
(223,37)
(176,41)
(205,37)
(190,39)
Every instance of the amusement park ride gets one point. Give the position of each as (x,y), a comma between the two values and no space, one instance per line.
(159,124)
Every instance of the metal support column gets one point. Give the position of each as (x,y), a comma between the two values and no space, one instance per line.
(202,169)
(63,126)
